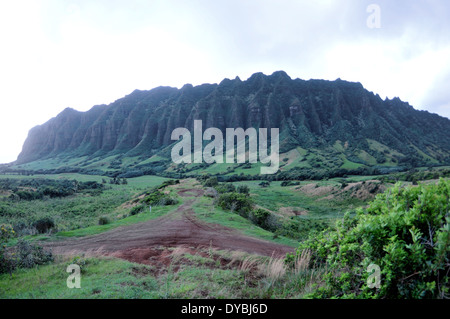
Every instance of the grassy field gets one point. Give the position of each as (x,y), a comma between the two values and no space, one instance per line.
(139,218)
(140,182)
(79,214)
(187,273)
(78,211)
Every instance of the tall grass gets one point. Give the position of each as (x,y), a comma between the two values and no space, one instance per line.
(280,280)
(302,260)
(274,269)
(248,264)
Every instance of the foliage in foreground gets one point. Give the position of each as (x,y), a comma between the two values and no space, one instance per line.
(405,231)
(205,273)
(22,255)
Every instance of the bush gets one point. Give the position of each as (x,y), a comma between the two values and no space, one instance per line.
(136,210)
(236,202)
(28,255)
(103,220)
(263,219)
(23,229)
(211,182)
(43,225)
(156,198)
(405,231)
(6,232)
(167,200)
(153,198)
(6,264)
(81,261)
(22,255)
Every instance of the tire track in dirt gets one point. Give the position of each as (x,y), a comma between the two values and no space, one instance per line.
(178,228)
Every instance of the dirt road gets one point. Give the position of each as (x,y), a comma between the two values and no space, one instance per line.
(178,228)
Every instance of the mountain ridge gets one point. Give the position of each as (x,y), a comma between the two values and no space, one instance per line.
(311,114)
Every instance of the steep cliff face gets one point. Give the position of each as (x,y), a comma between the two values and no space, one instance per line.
(314,113)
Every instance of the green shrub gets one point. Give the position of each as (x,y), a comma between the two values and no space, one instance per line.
(22,255)
(103,220)
(239,203)
(22,229)
(43,225)
(405,231)
(167,200)
(28,195)
(264,219)
(136,210)
(156,198)
(153,198)
(81,261)
(6,264)
(28,255)
(211,182)
(6,232)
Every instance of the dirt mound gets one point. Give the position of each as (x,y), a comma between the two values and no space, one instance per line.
(314,189)
(362,190)
(162,258)
(179,228)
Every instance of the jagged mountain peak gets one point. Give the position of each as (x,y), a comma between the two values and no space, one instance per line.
(311,114)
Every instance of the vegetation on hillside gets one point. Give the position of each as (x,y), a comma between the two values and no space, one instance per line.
(404,231)
(239,200)
(22,255)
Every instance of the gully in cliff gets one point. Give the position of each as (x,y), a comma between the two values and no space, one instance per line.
(213,152)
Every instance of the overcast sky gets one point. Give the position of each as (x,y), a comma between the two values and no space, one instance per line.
(60,53)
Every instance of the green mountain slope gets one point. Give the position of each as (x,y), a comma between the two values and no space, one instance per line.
(326,127)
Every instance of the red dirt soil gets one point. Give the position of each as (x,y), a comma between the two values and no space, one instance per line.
(139,242)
